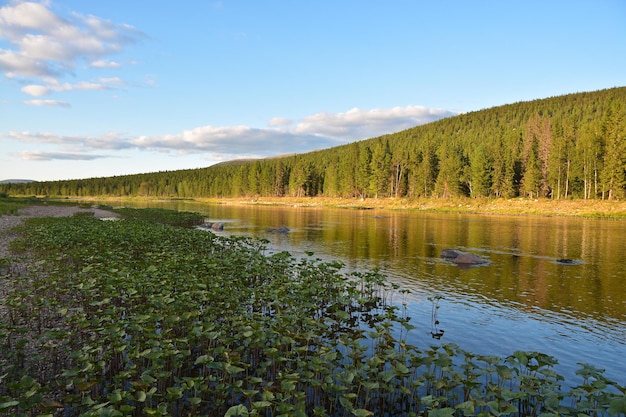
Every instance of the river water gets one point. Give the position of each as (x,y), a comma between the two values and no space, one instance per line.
(522,299)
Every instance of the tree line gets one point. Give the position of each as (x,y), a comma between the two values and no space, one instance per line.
(571,146)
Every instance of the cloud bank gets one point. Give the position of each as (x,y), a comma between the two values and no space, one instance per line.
(52,103)
(63,156)
(44,47)
(318,131)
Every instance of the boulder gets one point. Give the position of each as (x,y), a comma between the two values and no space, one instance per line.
(462,258)
(450,253)
(217,226)
(468,259)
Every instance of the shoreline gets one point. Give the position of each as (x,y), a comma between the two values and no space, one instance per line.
(614,209)
(9,221)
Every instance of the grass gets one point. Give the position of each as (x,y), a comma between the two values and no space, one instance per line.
(517,206)
(10,206)
(500,206)
(141,318)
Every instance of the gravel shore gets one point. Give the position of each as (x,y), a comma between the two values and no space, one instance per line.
(7,222)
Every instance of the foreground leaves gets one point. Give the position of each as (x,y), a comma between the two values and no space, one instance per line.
(139,318)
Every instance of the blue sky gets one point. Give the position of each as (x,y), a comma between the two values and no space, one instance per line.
(91,89)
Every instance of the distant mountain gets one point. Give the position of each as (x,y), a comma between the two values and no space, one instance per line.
(243,161)
(235,162)
(15,181)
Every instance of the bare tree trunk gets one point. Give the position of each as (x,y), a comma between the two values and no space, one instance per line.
(558,185)
(595,178)
(567,179)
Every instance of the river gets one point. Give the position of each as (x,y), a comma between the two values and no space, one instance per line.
(522,299)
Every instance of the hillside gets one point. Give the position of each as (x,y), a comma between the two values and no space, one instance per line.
(571,146)
(14,181)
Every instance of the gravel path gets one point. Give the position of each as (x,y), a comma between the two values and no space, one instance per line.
(7,222)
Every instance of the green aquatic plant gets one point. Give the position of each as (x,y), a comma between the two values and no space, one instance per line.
(163,216)
(435,331)
(137,317)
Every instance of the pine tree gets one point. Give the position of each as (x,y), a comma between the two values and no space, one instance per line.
(480,172)
(380,167)
(424,167)
(588,159)
(363,171)
(450,172)
(614,170)
(300,178)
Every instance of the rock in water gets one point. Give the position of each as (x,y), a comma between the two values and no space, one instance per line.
(462,258)
(567,261)
(468,259)
(281,230)
(451,253)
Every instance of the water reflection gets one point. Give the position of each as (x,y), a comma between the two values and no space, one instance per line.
(523,299)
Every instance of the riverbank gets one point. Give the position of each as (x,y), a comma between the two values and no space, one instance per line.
(8,222)
(514,207)
(510,207)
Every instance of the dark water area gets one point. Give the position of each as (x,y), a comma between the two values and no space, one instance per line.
(554,285)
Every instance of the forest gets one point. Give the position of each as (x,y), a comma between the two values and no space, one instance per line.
(565,147)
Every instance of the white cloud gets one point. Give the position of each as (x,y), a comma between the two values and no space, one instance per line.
(18,64)
(318,131)
(279,121)
(46,46)
(53,103)
(81,86)
(235,140)
(49,156)
(103,63)
(102,84)
(109,141)
(362,123)
(36,90)
(111,80)
(26,16)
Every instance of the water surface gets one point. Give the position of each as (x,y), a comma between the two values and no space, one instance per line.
(523,299)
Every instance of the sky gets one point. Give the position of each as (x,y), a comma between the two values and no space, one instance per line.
(115,87)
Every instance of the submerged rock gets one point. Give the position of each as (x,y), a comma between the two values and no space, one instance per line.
(282,230)
(469,259)
(462,258)
(211,226)
(450,253)
(567,261)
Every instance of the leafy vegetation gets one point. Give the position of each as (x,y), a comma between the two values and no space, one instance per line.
(572,146)
(172,218)
(135,317)
(12,205)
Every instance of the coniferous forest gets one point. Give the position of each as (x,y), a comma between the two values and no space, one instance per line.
(571,146)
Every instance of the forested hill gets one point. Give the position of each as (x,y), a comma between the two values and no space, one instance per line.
(571,146)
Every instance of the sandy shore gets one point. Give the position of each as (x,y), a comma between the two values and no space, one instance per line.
(7,222)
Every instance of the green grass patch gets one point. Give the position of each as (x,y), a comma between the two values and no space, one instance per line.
(11,205)
(140,318)
(163,216)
